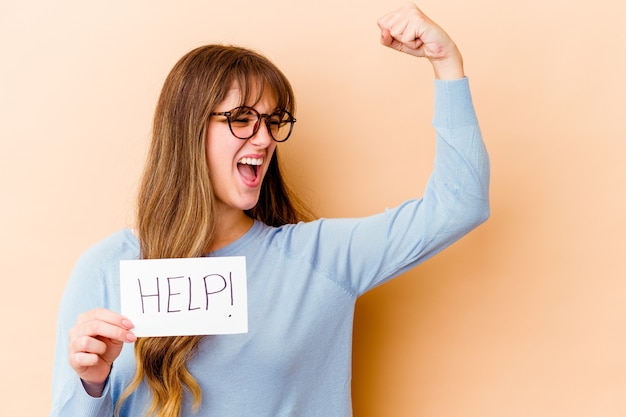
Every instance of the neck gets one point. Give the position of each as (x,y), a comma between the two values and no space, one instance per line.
(231,225)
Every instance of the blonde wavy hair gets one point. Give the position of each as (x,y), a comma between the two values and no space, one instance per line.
(175,211)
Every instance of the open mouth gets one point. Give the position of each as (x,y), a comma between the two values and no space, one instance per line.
(249,168)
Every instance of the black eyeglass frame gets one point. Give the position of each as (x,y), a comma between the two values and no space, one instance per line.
(257,125)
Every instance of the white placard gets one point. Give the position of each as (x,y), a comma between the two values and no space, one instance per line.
(186,296)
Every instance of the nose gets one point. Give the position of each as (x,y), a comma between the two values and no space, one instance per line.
(262,137)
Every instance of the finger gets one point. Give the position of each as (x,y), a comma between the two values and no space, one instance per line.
(412,43)
(88,350)
(82,360)
(401,36)
(98,328)
(105,315)
(398,17)
(88,344)
(385,37)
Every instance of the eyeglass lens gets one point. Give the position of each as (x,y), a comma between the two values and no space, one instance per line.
(245,122)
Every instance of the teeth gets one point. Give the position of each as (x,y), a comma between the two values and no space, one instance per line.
(250,161)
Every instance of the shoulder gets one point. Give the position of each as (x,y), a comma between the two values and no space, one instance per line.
(94,281)
(321,235)
(117,246)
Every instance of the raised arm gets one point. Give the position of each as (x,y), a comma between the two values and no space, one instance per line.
(365,252)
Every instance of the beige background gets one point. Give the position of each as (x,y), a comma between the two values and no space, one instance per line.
(523,317)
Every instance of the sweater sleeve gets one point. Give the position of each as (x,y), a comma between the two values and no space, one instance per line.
(88,287)
(68,395)
(456,198)
(359,254)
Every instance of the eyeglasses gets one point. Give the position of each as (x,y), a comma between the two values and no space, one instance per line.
(244,122)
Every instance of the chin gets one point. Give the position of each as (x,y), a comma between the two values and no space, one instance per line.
(250,204)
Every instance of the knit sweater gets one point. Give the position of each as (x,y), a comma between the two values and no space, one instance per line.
(303,283)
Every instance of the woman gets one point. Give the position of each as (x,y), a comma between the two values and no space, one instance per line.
(213,187)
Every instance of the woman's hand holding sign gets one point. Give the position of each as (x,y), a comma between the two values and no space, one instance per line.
(96,340)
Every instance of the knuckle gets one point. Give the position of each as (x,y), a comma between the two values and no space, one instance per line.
(97,314)
(83,344)
(72,360)
(121,334)
(76,360)
(93,328)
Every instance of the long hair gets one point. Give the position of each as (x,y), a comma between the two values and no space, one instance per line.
(176,215)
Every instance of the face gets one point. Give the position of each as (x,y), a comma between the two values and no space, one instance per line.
(237,167)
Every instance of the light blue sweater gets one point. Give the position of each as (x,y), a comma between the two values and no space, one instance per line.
(303,282)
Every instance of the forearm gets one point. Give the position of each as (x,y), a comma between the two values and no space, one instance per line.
(461,171)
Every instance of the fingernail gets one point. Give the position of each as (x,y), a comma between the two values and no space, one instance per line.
(128,324)
(131,337)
